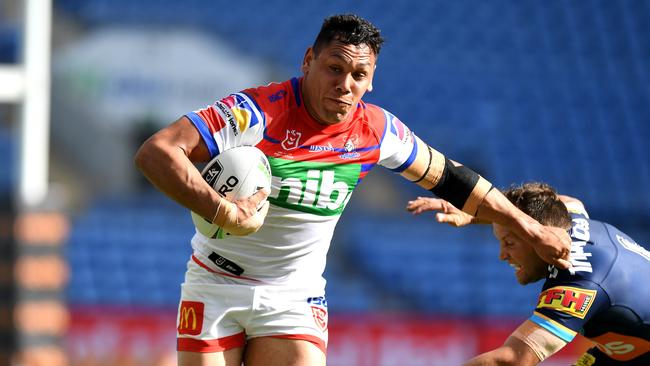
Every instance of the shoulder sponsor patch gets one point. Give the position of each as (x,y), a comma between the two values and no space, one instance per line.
(570,300)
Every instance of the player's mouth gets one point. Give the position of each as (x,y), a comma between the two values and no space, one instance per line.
(341,103)
(516,267)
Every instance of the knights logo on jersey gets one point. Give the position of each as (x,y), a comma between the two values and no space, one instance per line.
(570,300)
(350,147)
(292,140)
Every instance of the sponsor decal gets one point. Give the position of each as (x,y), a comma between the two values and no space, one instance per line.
(313,187)
(212,174)
(244,114)
(230,117)
(570,300)
(319,148)
(586,360)
(621,347)
(580,235)
(277,96)
(292,140)
(226,264)
(190,318)
(320,301)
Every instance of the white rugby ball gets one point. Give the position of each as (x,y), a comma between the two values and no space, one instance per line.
(235,173)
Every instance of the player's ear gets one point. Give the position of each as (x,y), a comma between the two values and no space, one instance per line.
(306,61)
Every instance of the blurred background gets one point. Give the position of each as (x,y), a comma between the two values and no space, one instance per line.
(554,91)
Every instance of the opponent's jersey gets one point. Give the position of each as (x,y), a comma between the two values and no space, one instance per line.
(314,167)
(605,295)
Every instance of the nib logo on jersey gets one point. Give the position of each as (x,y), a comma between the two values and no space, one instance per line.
(313,187)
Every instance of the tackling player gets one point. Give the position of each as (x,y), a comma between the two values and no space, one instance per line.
(258,295)
(604,295)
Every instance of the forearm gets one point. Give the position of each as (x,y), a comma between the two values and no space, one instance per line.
(170,170)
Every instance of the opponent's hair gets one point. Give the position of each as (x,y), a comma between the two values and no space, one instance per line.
(348,29)
(541,202)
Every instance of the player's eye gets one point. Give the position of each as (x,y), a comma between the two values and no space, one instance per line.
(335,68)
(359,75)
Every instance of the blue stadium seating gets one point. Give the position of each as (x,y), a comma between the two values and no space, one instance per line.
(7,160)
(528,90)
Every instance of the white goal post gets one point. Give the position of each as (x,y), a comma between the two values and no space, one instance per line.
(28,84)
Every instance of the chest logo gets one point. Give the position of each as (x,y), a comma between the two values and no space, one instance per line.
(570,300)
(292,140)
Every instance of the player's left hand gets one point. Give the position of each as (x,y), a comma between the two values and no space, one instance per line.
(447,213)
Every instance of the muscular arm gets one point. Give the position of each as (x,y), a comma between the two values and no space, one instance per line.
(529,345)
(166,159)
(473,194)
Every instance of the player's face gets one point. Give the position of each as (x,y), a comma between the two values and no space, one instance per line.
(336,79)
(528,266)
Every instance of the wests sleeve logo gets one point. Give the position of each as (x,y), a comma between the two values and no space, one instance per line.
(570,300)
(190,318)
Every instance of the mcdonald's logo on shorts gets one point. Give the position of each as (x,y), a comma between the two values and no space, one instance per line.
(190,318)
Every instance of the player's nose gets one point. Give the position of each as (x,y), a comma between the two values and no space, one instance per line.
(343,84)
(502,254)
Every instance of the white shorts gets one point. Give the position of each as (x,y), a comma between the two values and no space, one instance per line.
(217,313)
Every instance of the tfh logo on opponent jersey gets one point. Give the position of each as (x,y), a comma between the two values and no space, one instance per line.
(292,140)
(190,318)
(570,300)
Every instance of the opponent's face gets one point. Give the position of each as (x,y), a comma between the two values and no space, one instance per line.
(336,79)
(529,267)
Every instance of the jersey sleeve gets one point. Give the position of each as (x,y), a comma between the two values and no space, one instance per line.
(232,121)
(398,146)
(563,308)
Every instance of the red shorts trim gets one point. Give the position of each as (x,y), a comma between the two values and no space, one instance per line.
(305,337)
(211,345)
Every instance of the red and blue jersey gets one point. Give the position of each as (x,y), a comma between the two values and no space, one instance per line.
(315,168)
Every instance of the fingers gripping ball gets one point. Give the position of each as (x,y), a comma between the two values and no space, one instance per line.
(235,174)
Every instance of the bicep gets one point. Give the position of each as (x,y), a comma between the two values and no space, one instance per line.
(182,134)
(426,167)
(533,344)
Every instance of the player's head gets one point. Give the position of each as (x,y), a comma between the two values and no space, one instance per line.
(338,69)
(541,202)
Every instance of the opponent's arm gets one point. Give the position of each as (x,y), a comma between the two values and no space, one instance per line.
(166,160)
(467,190)
(528,345)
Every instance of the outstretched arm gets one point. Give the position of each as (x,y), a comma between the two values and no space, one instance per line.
(473,194)
(166,159)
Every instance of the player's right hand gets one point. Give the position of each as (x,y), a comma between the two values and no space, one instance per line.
(447,213)
(244,216)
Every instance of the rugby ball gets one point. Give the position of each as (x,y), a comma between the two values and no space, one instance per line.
(235,173)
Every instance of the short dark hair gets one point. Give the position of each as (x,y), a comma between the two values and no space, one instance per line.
(541,202)
(348,29)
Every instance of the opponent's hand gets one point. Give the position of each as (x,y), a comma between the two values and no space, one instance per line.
(553,245)
(447,214)
(243,216)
